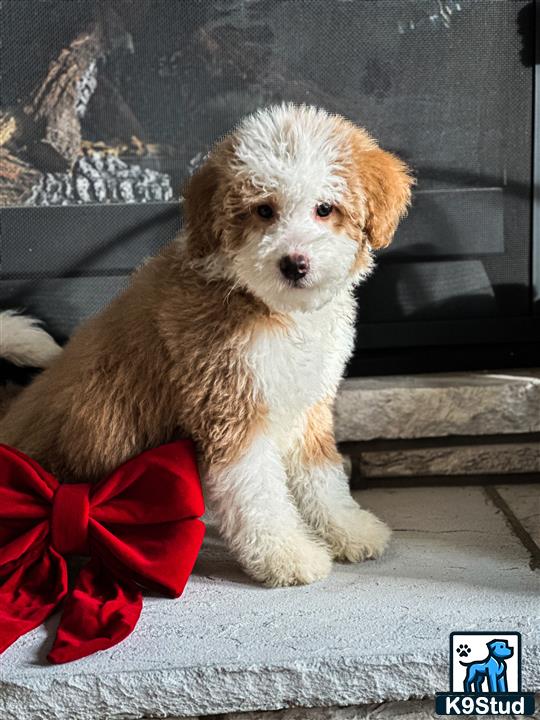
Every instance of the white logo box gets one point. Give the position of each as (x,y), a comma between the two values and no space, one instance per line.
(477,644)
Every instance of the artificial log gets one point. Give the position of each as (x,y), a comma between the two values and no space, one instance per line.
(51,132)
(44,160)
(56,108)
(17,179)
(8,127)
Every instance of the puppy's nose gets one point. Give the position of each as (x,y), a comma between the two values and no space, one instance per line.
(294,266)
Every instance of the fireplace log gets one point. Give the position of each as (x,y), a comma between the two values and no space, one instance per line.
(8,127)
(52,131)
(55,110)
(17,179)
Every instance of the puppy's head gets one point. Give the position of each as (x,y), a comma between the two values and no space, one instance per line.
(293,202)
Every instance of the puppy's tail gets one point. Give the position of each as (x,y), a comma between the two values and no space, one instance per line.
(24,342)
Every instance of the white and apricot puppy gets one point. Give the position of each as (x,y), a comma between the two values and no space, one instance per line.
(237,335)
(296,200)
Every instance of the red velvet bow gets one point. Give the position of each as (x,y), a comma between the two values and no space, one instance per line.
(139,526)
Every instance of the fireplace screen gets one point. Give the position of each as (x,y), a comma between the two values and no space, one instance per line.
(107,106)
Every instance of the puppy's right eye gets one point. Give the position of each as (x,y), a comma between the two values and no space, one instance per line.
(265,211)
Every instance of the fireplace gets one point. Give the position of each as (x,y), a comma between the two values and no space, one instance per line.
(107,106)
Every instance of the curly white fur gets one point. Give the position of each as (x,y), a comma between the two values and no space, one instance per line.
(271,505)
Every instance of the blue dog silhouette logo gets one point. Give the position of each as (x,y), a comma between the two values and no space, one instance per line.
(485,676)
(489,674)
(483,662)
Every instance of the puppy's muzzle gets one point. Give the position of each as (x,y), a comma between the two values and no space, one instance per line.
(294,267)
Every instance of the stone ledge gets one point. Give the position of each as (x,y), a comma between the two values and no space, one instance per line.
(376,632)
(493,459)
(404,710)
(421,406)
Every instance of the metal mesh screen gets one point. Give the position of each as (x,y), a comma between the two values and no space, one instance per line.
(108,106)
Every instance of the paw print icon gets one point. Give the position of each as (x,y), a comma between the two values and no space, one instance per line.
(463,650)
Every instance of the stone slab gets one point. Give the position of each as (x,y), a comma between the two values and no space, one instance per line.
(493,459)
(372,633)
(437,405)
(524,501)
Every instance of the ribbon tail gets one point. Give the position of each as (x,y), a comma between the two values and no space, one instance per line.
(29,593)
(99,612)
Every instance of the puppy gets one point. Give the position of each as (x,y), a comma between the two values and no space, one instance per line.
(237,335)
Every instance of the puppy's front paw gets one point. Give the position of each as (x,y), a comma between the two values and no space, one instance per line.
(357,535)
(298,561)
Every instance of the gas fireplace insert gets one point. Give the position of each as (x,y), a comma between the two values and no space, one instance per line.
(107,106)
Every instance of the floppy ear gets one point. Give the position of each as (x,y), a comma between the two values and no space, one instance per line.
(199,210)
(386,184)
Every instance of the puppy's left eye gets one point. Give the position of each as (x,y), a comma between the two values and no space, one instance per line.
(324,209)
(265,211)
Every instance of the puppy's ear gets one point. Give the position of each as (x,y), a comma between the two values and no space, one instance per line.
(200,210)
(386,184)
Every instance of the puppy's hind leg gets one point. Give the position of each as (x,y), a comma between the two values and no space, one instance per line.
(260,522)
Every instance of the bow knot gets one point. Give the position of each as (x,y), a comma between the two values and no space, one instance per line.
(140,527)
(69,519)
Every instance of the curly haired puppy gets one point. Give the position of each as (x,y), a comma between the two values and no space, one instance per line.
(237,335)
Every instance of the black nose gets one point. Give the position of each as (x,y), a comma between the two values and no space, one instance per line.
(294,266)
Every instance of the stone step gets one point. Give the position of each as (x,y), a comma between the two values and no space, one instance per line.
(496,459)
(370,633)
(401,710)
(438,405)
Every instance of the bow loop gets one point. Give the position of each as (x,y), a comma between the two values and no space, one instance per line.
(140,526)
(131,495)
(26,491)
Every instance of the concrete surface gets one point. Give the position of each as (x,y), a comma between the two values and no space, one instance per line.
(419,406)
(368,634)
(524,502)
